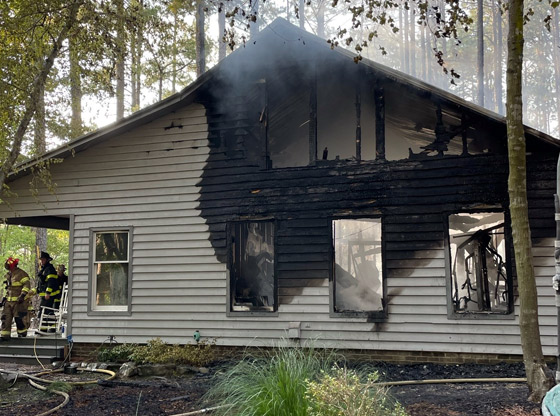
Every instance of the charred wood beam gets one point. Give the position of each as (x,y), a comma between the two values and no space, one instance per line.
(358,122)
(464,135)
(263,121)
(379,96)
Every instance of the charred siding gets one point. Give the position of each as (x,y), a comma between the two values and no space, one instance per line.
(412,196)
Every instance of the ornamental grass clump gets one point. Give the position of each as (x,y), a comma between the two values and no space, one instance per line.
(273,385)
(342,392)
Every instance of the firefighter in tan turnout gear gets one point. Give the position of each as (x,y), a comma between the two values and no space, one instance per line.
(17,285)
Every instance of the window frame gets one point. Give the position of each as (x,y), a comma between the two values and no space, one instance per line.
(230,312)
(475,315)
(372,316)
(92,282)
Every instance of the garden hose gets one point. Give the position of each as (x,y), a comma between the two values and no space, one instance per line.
(34,380)
(405,383)
(61,393)
(453,380)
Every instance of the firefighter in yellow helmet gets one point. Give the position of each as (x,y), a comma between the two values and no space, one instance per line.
(17,286)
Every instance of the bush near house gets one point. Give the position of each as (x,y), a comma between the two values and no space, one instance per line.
(157,351)
(298,382)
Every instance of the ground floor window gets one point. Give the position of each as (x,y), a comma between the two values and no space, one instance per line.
(252,278)
(358,266)
(480,281)
(110,282)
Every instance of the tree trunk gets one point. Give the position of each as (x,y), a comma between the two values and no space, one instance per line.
(40,148)
(175,52)
(301,14)
(121,45)
(480,52)
(200,35)
(36,86)
(498,52)
(75,91)
(40,123)
(136,49)
(321,19)
(539,378)
(401,38)
(556,56)
(221,31)
(406,43)
(412,30)
(423,53)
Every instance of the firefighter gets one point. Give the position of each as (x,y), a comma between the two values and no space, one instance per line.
(47,287)
(28,301)
(17,286)
(62,280)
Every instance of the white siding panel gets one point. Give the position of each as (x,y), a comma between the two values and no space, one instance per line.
(148,179)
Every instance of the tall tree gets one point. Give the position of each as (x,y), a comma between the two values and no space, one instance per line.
(76,122)
(556,59)
(120,56)
(200,39)
(498,52)
(480,51)
(68,19)
(539,378)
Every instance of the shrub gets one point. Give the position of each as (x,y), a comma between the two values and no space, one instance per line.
(160,352)
(272,385)
(343,393)
(118,354)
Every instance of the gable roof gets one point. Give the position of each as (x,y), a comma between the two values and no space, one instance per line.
(279,34)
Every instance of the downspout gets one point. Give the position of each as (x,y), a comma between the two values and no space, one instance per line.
(556,278)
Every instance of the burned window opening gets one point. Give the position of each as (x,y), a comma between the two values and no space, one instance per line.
(420,127)
(309,119)
(358,266)
(479,272)
(252,277)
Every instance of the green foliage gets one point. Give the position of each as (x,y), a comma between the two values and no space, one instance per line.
(272,385)
(159,352)
(19,241)
(119,354)
(59,386)
(345,393)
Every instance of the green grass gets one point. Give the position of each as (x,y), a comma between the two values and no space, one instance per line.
(272,385)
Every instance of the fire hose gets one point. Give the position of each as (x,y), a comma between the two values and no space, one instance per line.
(34,380)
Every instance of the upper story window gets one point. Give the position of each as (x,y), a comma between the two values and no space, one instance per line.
(480,278)
(252,286)
(313,115)
(358,287)
(110,277)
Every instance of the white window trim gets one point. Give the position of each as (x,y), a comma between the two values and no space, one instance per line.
(109,309)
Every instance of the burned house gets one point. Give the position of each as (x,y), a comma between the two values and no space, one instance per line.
(292,193)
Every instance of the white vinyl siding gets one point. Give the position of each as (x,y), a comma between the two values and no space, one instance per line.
(147,179)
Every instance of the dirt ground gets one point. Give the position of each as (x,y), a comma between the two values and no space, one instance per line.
(176,395)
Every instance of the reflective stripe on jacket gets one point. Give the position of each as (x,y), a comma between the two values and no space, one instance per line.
(17,283)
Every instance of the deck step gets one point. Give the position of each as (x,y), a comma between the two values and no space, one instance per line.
(27,350)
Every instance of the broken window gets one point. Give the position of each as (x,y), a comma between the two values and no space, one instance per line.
(479,274)
(288,123)
(252,281)
(418,127)
(342,110)
(358,265)
(110,280)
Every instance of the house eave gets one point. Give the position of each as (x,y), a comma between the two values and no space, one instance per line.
(138,118)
